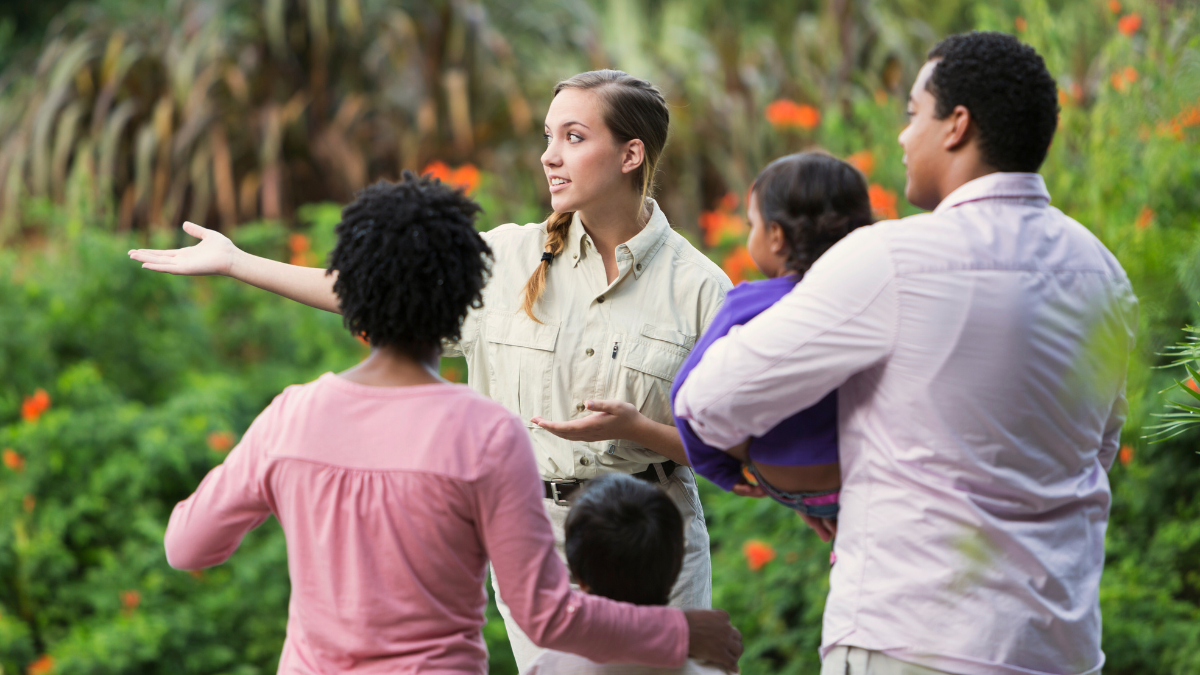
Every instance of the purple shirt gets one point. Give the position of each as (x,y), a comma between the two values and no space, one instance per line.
(809,437)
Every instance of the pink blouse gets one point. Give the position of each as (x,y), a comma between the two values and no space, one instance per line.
(392,500)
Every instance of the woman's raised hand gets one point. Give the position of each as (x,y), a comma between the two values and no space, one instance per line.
(214,254)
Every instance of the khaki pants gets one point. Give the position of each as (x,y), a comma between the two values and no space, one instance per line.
(855,661)
(694,587)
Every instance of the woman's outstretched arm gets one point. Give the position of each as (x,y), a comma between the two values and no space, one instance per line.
(217,255)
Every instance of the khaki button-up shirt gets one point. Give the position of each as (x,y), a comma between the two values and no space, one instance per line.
(623,340)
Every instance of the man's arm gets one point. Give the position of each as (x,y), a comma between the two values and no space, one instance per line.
(840,320)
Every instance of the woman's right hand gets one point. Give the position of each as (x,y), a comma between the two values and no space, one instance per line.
(215,254)
(712,638)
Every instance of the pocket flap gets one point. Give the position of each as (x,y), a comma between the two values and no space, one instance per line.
(669,335)
(652,360)
(519,330)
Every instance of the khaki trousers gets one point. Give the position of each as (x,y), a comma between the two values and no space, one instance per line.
(855,661)
(693,589)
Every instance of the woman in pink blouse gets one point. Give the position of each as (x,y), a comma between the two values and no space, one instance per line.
(395,488)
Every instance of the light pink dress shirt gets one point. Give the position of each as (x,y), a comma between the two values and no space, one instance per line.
(392,501)
(979,353)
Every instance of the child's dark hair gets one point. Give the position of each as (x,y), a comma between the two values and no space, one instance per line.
(624,540)
(410,263)
(1010,93)
(816,199)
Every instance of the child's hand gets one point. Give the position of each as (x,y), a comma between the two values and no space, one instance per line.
(742,488)
(825,528)
(611,420)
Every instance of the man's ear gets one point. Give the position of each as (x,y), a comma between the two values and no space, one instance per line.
(959,128)
(634,156)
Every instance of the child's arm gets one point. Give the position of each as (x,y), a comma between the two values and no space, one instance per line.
(534,582)
(207,527)
(217,255)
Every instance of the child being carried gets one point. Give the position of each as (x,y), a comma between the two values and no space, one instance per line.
(800,206)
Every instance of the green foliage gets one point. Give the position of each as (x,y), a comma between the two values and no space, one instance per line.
(142,369)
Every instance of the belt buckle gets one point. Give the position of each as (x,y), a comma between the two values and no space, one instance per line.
(554,483)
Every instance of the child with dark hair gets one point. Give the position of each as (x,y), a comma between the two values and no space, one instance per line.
(624,541)
(394,488)
(799,206)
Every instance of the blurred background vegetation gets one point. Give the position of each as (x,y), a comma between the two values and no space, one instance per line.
(119,389)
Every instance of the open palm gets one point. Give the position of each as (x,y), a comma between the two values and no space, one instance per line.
(213,255)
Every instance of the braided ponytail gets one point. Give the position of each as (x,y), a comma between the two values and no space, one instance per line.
(557,226)
(633,109)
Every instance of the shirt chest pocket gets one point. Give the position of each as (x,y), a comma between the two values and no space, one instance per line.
(648,369)
(520,358)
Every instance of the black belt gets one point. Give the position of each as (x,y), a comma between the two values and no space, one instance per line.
(561,489)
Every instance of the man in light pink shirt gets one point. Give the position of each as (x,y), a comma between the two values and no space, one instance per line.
(395,488)
(979,353)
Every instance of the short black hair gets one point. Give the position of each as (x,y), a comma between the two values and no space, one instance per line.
(817,199)
(1010,93)
(624,540)
(410,263)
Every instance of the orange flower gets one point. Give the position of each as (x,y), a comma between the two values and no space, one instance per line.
(721,225)
(1062,98)
(1076,92)
(1114,6)
(465,176)
(301,248)
(13,460)
(43,666)
(33,406)
(1130,23)
(1145,217)
(1191,384)
(739,265)
(728,203)
(862,160)
(220,441)
(299,243)
(883,202)
(758,554)
(1125,455)
(1117,80)
(28,502)
(130,601)
(196,574)
(881,97)
(784,114)
(1020,23)
(1130,74)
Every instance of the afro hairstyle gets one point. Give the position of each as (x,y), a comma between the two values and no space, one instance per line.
(410,263)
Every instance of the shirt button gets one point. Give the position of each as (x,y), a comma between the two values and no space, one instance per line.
(585,461)
(639,267)
(580,407)
(590,351)
(600,299)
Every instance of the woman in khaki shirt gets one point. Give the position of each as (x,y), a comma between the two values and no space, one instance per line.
(587,316)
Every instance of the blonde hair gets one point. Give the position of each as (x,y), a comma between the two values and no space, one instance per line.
(633,109)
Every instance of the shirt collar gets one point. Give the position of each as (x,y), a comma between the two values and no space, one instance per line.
(1000,185)
(641,247)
